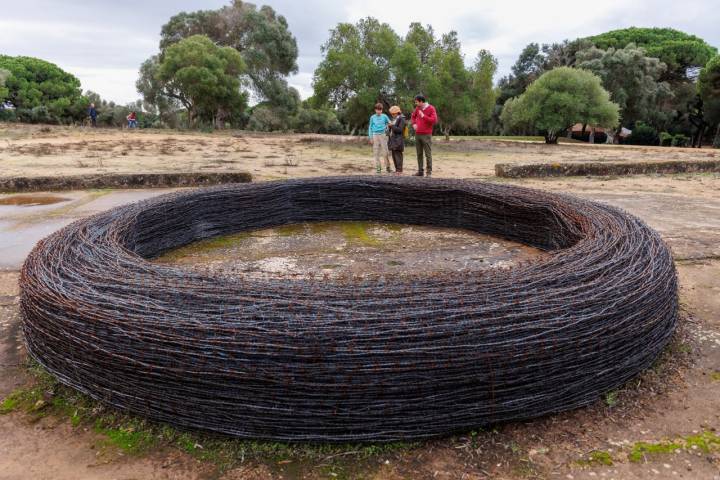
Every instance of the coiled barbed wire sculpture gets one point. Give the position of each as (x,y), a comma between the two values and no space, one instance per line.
(366,360)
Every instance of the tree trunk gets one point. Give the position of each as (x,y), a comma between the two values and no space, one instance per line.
(716,142)
(446,131)
(551,138)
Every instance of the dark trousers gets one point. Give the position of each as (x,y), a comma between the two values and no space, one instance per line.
(423,145)
(93,121)
(397,156)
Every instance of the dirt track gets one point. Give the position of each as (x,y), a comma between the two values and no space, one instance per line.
(675,401)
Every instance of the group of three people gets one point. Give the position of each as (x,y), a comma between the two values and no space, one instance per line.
(387,136)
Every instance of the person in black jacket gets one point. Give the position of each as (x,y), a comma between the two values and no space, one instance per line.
(396,139)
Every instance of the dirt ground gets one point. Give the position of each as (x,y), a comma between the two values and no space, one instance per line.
(36,151)
(620,437)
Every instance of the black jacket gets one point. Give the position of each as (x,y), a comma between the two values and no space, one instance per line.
(396,140)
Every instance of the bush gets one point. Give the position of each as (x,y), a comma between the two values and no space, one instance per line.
(35,115)
(310,120)
(680,140)
(666,139)
(643,134)
(267,119)
(8,115)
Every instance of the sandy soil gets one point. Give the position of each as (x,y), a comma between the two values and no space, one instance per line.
(35,151)
(675,400)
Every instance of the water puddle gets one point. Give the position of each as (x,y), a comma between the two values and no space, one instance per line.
(32,200)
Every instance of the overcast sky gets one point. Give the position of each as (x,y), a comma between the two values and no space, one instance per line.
(103,42)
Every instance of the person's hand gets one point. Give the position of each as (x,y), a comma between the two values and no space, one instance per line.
(414,126)
(422,115)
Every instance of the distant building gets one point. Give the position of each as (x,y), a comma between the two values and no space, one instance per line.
(595,134)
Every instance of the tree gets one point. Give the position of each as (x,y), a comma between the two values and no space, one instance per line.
(4,91)
(203,77)
(355,72)
(367,62)
(682,53)
(632,78)
(260,35)
(709,90)
(482,90)
(561,98)
(37,84)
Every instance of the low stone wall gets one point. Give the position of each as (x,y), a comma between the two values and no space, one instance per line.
(513,170)
(120,180)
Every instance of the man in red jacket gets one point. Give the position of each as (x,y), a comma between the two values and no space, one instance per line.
(423,118)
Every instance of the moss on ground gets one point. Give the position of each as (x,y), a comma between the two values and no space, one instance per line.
(596,458)
(706,442)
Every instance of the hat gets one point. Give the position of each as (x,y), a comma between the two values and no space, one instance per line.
(395,109)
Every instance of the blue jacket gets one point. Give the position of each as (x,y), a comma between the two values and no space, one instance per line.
(377,125)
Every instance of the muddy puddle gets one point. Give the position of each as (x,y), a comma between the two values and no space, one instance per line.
(349,249)
(31,200)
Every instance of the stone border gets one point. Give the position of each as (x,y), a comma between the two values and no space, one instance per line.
(513,170)
(119,180)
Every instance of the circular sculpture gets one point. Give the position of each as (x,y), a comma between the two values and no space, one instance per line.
(371,360)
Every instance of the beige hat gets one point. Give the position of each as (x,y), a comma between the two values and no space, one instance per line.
(395,109)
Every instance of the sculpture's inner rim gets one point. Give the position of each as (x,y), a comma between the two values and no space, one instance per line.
(185,223)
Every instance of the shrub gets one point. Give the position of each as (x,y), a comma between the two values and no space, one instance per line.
(680,140)
(8,115)
(267,119)
(313,120)
(643,134)
(666,139)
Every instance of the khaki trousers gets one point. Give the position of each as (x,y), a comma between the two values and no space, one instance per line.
(380,148)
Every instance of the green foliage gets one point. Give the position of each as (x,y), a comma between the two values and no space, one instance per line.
(643,134)
(367,62)
(4,91)
(41,90)
(260,35)
(632,78)
(535,60)
(561,98)
(316,120)
(203,77)
(708,87)
(356,70)
(678,50)
(265,118)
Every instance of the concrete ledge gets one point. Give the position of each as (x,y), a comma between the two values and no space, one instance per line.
(513,170)
(120,180)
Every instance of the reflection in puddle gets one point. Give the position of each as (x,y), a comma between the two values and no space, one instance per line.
(32,200)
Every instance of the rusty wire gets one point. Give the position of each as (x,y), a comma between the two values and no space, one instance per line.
(365,360)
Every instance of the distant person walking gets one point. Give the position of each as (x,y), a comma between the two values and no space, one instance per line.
(423,118)
(396,140)
(93,115)
(132,120)
(378,137)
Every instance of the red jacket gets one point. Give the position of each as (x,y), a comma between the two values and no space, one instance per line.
(424,124)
